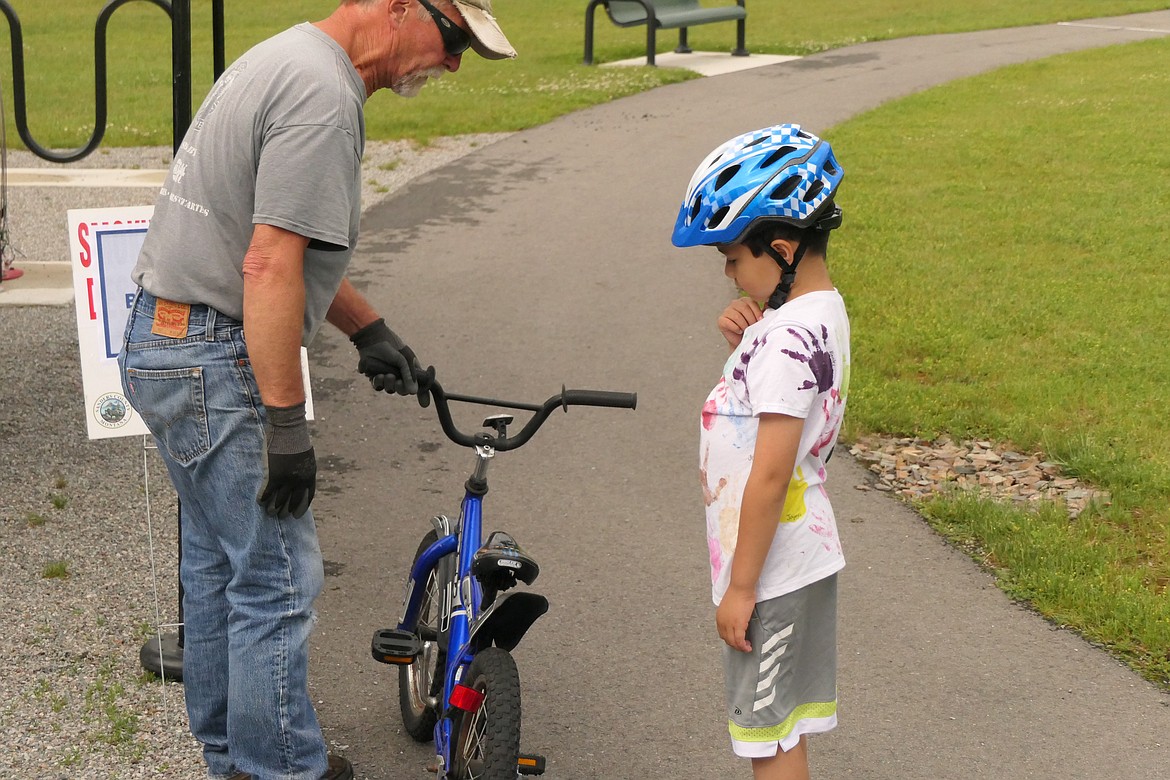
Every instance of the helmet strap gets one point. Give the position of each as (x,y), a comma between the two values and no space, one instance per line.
(787,274)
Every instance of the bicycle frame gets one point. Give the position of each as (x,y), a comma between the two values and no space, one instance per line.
(461,604)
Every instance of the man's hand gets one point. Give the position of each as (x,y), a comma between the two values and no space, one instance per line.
(732,616)
(735,319)
(290,467)
(386,360)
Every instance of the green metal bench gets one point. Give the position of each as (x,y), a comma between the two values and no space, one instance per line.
(665,15)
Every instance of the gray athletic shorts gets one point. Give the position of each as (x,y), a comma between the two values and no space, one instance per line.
(786,686)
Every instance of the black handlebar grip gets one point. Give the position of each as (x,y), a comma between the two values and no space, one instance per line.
(599,398)
(425,380)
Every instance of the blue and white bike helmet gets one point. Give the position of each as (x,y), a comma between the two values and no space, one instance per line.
(778,174)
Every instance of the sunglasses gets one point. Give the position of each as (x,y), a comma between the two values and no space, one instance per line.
(455,38)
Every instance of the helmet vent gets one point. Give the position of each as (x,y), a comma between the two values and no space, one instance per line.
(830,168)
(727,175)
(717,217)
(698,204)
(813,191)
(785,189)
(777,155)
(757,142)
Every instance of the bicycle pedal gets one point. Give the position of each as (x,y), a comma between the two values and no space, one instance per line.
(530,764)
(393,646)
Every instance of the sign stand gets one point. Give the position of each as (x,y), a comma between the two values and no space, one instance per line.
(160,652)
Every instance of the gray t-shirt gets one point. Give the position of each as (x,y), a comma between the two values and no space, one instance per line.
(278,141)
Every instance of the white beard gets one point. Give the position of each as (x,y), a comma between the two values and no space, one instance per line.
(412,83)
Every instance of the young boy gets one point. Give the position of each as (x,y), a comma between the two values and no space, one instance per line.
(765,200)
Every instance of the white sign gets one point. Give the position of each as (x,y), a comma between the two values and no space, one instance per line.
(103,247)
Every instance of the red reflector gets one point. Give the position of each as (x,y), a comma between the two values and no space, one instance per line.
(466,699)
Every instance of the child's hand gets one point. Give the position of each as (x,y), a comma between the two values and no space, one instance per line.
(735,319)
(732,616)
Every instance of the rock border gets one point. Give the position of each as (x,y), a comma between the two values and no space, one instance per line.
(918,469)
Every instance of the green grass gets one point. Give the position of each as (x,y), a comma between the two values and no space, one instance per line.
(546,81)
(1092,575)
(1002,259)
(114,724)
(55,570)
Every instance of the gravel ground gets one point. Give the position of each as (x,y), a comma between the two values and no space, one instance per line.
(77,595)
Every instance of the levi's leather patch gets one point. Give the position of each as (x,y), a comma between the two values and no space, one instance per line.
(171,319)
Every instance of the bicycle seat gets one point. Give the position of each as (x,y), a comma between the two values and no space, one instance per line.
(500,562)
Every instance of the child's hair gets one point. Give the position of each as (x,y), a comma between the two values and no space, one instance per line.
(763,233)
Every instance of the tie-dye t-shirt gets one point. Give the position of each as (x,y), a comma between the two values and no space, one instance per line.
(794,361)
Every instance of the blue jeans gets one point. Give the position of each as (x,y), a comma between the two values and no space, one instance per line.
(249,579)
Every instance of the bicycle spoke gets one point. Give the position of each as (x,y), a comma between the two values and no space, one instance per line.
(420,683)
(473,747)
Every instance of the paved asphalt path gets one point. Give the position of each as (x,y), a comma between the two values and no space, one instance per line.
(545,259)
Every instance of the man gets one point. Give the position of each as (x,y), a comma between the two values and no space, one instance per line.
(245,258)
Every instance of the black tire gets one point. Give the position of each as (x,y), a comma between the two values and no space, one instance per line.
(487,741)
(420,685)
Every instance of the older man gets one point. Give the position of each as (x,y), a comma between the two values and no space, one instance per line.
(245,259)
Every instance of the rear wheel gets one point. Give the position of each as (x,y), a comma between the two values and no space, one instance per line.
(420,685)
(487,741)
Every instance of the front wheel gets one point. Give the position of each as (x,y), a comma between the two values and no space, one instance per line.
(487,741)
(420,685)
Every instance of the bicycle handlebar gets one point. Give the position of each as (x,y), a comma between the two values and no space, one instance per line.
(430,388)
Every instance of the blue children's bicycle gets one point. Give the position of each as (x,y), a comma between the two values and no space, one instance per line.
(458,682)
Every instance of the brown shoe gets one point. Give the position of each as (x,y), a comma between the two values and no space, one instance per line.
(339,769)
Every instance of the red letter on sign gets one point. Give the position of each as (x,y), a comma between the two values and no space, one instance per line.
(92,310)
(86,252)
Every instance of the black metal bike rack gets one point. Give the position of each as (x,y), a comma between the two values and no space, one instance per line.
(162,656)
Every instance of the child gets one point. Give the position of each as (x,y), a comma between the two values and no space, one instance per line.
(765,200)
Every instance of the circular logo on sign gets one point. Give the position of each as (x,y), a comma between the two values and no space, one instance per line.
(112,411)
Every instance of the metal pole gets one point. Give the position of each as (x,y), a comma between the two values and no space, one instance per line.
(181,68)
(167,660)
(169,656)
(217,38)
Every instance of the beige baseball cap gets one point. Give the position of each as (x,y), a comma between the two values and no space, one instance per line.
(487,38)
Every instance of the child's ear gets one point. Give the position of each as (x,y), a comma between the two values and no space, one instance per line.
(785,248)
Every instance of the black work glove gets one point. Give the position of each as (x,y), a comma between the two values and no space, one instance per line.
(290,467)
(386,360)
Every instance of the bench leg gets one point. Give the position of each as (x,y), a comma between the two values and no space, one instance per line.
(651,43)
(589,32)
(682,42)
(740,49)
